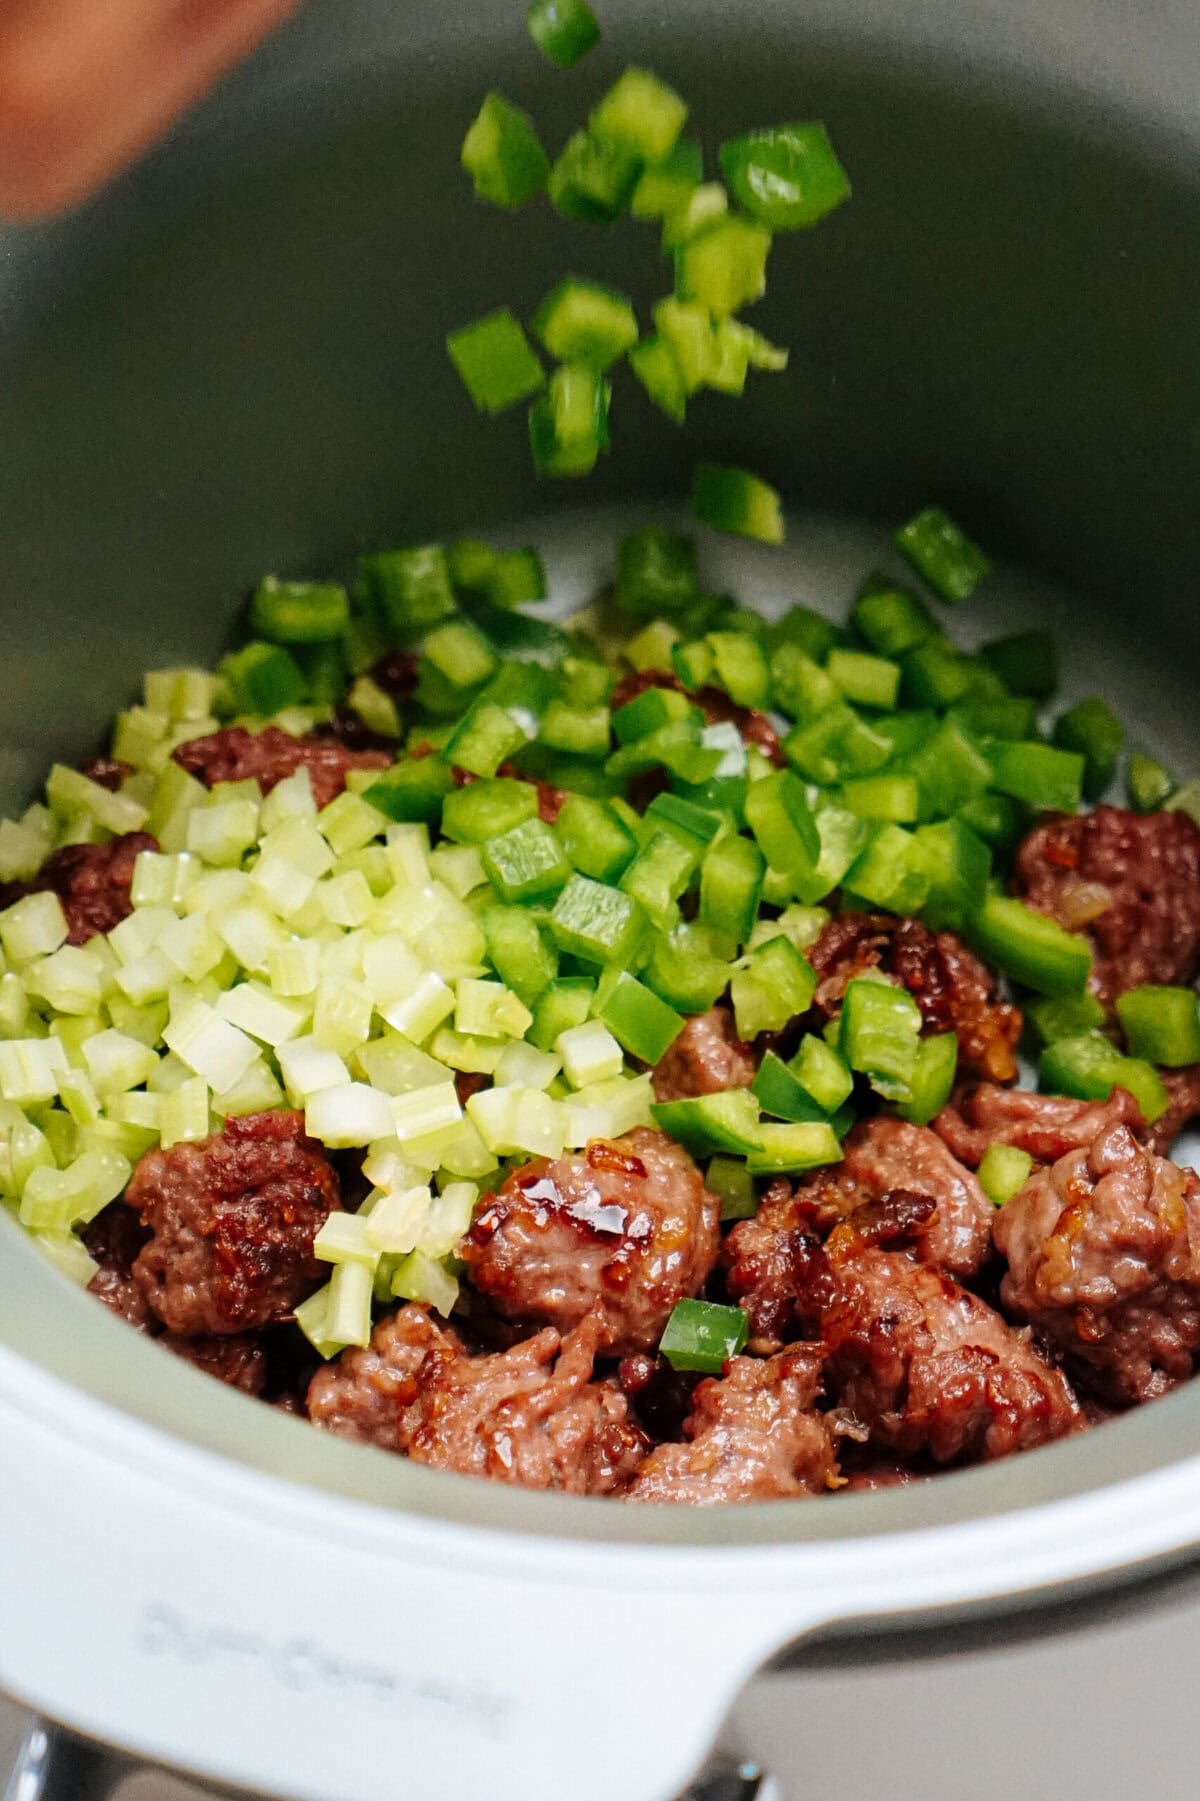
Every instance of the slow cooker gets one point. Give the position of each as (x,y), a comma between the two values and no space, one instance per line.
(232,361)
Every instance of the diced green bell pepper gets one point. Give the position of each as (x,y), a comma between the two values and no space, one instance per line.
(642,1024)
(1004,1171)
(520,952)
(503,154)
(582,322)
(725,267)
(299,612)
(640,115)
(733,500)
(1150,787)
(931,1080)
(1030,947)
(878,1035)
(568,424)
(1038,774)
(943,555)
(495,361)
(1090,1068)
(787,176)
(702,1336)
(776,986)
(1093,730)
(891,619)
(728,1121)
(563,30)
(1161,1025)
(1026,662)
(597,923)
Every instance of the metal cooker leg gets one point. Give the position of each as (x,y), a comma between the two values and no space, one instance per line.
(53,1765)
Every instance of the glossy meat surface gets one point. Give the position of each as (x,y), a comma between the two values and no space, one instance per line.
(1045,1125)
(625,1225)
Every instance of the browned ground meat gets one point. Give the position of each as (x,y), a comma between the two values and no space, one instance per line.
(953,989)
(883,1157)
(921,1363)
(106,772)
(752,1436)
(753,727)
(530,1415)
(661,1396)
(1103,1253)
(1045,1125)
(1183,1087)
(1129,882)
(114,1239)
(269,756)
(865,1471)
(233,1219)
(707,1056)
(91,880)
(237,1359)
(626,1224)
(362,1393)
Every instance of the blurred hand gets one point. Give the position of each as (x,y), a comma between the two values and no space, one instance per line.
(85,85)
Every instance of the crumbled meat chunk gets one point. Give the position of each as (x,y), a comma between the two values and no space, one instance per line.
(530,1415)
(91,880)
(753,1435)
(718,709)
(1045,1125)
(233,1219)
(953,989)
(1103,1252)
(865,1471)
(920,1363)
(1183,1088)
(104,770)
(626,1225)
(363,1392)
(661,1396)
(237,1359)
(114,1238)
(882,1158)
(269,756)
(1129,882)
(707,1057)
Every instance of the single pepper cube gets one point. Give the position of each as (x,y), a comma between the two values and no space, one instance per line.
(1004,1172)
(787,176)
(299,612)
(702,1336)
(878,1036)
(1030,947)
(1161,1025)
(790,1149)
(931,1080)
(666,183)
(656,367)
(592,180)
(728,1121)
(264,678)
(733,500)
(725,267)
(596,923)
(1092,729)
(503,155)
(1026,662)
(568,425)
(656,572)
(640,115)
(940,552)
(496,361)
(563,30)
(411,589)
(526,863)
(582,322)
(642,1024)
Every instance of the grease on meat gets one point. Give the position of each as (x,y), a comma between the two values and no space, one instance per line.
(626,1225)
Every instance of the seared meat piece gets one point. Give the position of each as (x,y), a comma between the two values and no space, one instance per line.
(883,1157)
(106,772)
(114,1239)
(922,1364)
(953,989)
(269,756)
(1103,1255)
(1183,1086)
(886,1156)
(661,1396)
(707,1056)
(753,727)
(233,1217)
(237,1359)
(91,880)
(1129,882)
(626,1224)
(865,1471)
(1045,1125)
(530,1415)
(752,1436)
(363,1392)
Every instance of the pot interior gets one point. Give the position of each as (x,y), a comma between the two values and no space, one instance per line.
(232,362)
